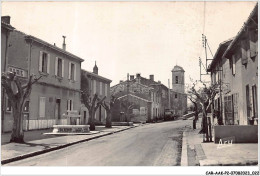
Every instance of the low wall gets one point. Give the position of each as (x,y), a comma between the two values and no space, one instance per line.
(240,133)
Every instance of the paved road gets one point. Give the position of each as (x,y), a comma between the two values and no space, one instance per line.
(148,145)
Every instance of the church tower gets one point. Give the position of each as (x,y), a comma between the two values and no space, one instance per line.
(178,79)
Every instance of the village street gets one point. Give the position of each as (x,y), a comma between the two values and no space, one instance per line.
(148,145)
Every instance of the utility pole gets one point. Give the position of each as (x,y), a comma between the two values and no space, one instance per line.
(127,102)
(169,97)
(205,45)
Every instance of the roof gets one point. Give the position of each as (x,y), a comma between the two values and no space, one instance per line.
(97,76)
(135,97)
(30,37)
(254,17)
(177,68)
(219,53)
(7,26)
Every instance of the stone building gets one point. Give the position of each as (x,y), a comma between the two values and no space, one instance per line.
(56,93)
(235,69)
(142,101)
(178,98)
(96,84)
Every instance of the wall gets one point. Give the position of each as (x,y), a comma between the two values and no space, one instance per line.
(88,80)
(240,134)
(180,86)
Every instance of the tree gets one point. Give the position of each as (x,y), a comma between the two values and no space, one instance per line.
(17,94)
(108,107)
(205,95)
(92,104)
(127,106)
(196,107)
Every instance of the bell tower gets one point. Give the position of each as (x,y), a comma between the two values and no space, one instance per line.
(178,79)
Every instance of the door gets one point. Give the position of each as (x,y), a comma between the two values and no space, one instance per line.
(228,110)
(85,118)
(100,113)
(57,110)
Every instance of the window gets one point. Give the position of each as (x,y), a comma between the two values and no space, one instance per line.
(42,107)
(26,107)
(8,105)
(100,88)
(248,103)
(44,62)
(72,71)
(254,92)
(59,67)
(233,64)
(176,95)
(176,80)
(69,105)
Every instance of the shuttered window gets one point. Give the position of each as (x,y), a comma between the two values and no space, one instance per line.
(59,67)
(44,62)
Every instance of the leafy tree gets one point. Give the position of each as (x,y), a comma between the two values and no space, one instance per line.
(17,94)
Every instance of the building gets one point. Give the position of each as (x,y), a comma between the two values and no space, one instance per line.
(56,93)
(178,97)
(99,85)
(143,102)
(6,28)
(235,70)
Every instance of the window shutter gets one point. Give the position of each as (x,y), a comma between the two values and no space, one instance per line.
(75,71)
(40,62)
(48,66)
(68,104)
(69,70)
(233,64)
(244,48)
(62,73)
(71,104)
(100,88)
(56,66)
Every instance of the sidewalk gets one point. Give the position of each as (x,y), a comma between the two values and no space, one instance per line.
(13,151)
(197,153)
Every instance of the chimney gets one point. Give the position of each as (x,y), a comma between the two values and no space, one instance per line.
(121,81)
(159,82)
(138,75)
(54,44)
(64,44)
(95,69)
(152,77)
(6,19)
(132,77)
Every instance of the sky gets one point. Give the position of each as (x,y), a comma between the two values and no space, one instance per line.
(133,37)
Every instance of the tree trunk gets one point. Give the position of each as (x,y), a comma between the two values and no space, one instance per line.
(91,120)
(17,131)
(108,119)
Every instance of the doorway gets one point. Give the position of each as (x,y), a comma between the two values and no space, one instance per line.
(57,110)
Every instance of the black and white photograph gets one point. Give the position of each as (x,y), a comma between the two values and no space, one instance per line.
(162,87)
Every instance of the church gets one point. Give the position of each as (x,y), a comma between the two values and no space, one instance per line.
(178,97)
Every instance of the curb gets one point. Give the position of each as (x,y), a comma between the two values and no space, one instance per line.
(28,155)
(184,152)
(208,162)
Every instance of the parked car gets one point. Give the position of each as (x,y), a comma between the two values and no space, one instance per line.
(169,115)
